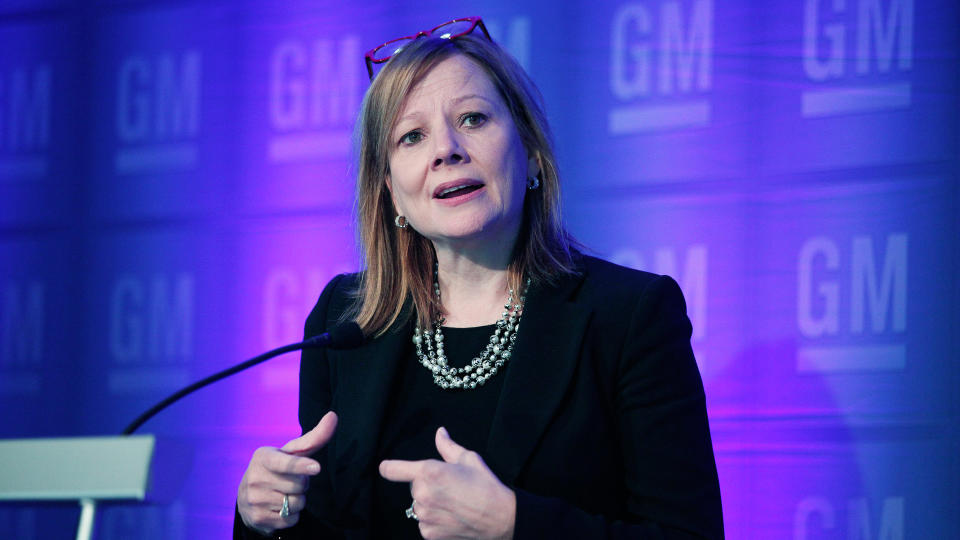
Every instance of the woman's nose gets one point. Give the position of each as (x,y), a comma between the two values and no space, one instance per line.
(448,150)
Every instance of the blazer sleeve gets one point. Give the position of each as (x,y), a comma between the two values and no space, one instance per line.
(315,398)
(671,478)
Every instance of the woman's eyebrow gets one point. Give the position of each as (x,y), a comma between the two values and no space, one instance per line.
(408,116)
(471,96)
(456,100)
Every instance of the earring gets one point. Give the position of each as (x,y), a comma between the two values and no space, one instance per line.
(400,222)
(533,182)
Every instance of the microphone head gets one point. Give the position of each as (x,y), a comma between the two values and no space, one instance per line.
(345,336)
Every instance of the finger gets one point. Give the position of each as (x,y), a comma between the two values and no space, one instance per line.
(314,439)
(285,464)
(288,521)
(288,483)
(295,503)
(450,451)
(397,470)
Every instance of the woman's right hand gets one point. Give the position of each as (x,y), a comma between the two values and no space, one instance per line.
(275,472)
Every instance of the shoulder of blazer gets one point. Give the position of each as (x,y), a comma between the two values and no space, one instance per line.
(337,297)
(599,282)
(606,283)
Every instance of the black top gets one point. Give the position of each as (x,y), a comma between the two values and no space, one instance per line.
(600,427)
(416,408)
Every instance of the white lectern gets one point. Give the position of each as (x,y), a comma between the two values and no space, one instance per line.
(89,469)
(84,469)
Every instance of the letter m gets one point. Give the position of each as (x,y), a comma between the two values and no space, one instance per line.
(685,54)
(171,317)
(872,22)
(30,109)
(889,291)
(178,95)
(21,340)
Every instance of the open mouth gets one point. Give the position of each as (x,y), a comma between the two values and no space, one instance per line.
(453,192)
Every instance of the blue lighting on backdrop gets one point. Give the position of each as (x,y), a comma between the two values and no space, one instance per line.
(175,191)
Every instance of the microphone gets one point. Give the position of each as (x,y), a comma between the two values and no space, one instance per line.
(343,336)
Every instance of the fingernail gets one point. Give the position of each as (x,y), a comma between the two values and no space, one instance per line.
(313,468)
(443,431)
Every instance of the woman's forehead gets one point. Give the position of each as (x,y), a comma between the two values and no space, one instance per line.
(453,79)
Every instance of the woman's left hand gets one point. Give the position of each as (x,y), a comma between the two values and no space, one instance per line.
(458,497)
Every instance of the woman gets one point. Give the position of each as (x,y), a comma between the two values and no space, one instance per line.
(509,386)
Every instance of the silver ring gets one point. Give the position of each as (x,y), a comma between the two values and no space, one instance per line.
(411,513)
(285,509)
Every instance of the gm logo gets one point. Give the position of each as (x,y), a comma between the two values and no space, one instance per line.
(819,517)
(661,65)
(689,268)
(314,94)
(858,53)
(158,112)
(288,296)
(860,289)
(22,320)
(150,331)
(25,101)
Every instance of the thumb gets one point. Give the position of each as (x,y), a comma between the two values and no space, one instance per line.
(450,451)
(314,439)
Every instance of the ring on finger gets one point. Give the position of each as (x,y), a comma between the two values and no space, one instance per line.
(285,509)
(411,513)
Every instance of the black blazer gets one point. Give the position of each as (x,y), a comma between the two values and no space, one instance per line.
(601,428)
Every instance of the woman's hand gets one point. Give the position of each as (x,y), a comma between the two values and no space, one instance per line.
(458,497)
(275,472)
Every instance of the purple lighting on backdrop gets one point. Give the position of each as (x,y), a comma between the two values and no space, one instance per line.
(175,191)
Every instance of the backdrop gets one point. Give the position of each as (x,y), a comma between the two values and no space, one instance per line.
(175,190)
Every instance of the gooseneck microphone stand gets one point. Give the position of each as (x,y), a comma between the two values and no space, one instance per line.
(343,336)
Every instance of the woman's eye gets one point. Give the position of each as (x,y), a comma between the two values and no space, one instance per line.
(473,119)
(412,137)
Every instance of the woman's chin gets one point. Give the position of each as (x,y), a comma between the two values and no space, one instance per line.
(464,236)
(485,236)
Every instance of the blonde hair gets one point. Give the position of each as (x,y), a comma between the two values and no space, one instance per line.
(399,262)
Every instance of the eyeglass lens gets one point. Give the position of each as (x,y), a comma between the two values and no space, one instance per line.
(446,31)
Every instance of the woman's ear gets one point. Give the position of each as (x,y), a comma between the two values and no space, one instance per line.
(393,199)
(533,167)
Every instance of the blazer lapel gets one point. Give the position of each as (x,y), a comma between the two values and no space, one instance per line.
(364,381)
(545,356)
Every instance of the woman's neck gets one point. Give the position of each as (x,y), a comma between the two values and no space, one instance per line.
(473,291)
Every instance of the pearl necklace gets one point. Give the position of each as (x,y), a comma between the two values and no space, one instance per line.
(486,364)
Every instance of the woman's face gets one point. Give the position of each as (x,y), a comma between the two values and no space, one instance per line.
(458,167)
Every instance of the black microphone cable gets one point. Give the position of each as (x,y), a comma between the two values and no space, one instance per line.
(343,336)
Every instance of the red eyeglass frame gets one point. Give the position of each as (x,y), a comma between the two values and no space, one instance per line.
(476,21)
